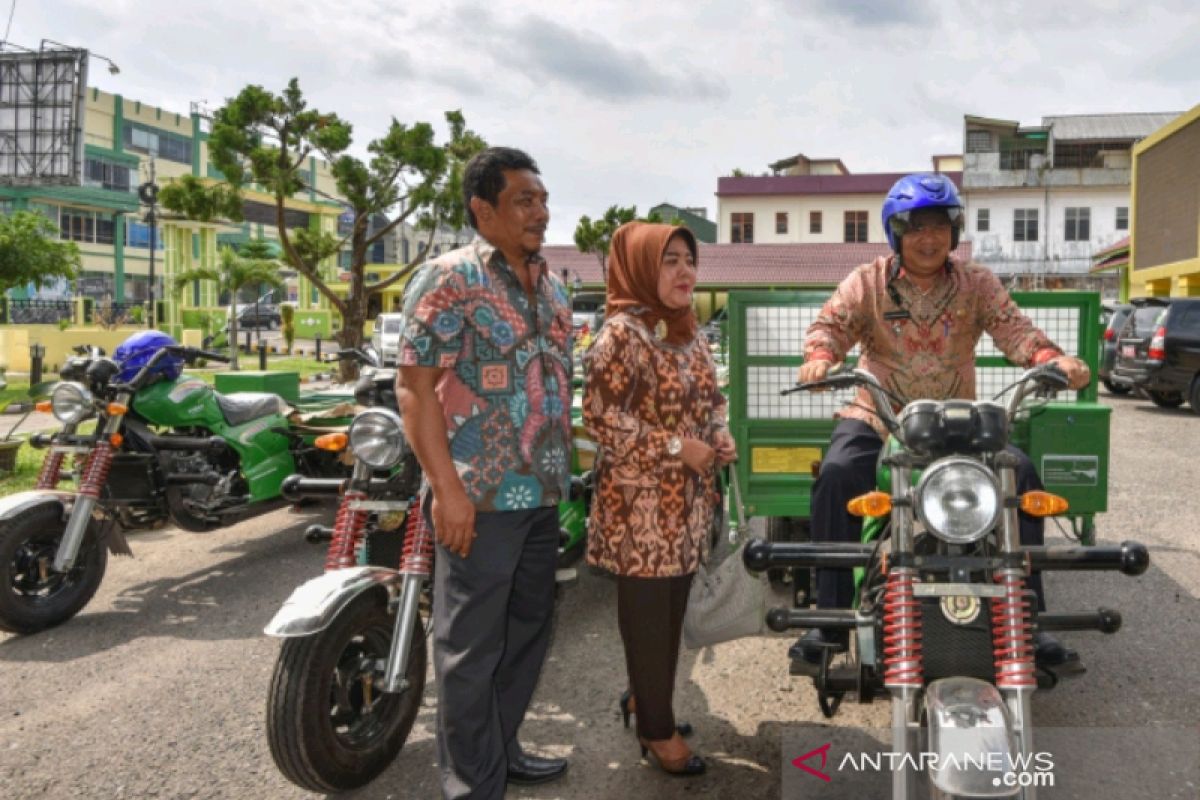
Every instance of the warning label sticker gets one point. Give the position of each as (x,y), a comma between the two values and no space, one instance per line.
(1070,470)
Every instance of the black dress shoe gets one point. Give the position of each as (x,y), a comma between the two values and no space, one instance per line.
(530,770)
(812,645)
(1049,652)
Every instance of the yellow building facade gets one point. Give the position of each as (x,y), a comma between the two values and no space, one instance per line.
(1165,243)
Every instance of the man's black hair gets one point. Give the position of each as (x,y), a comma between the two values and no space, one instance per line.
(484,176)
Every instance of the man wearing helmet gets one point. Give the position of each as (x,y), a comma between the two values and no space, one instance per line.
(917,316)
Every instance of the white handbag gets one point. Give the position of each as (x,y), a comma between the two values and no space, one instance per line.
(726,600)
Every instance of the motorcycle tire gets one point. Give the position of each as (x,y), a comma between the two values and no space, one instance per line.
(29,602)
(325,733)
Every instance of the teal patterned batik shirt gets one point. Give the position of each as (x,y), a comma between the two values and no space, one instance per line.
(506,392)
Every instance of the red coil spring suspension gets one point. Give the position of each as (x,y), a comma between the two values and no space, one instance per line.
(417,557)
(902,660)
(51,470)
(348,530)
(95,472)
(1012,640)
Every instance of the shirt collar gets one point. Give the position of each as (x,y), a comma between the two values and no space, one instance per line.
(490,255)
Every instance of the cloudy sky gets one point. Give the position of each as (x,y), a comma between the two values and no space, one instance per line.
(642,102)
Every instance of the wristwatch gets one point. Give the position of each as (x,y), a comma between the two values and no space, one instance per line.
(674,446)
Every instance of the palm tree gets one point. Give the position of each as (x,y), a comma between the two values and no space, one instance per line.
(232,274)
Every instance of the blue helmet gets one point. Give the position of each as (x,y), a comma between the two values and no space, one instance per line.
(920,190)
(136,351)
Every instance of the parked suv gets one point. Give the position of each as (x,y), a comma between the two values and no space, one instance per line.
(1108,348)
(1158,350)
(386,337)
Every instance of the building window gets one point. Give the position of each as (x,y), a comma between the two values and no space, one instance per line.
(77,225)
(1025,225)
(137,234)
(856,226)
(264,214)
(979,141)
(814,222)
(781,222)
(1122,218)
(742,228)
(163,144)
(1078,225)
(983,220)
(404,253)
(106,175)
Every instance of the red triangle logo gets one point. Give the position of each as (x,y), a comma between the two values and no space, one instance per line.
(823,752)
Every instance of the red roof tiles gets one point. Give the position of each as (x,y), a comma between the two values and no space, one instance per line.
(721,265)
(876,183)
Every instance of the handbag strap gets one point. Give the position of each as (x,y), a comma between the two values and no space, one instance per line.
(736,528)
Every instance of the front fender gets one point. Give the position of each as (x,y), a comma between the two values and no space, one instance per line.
(14,504)
(313,605)
(972,738)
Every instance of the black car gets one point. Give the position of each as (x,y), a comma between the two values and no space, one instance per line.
(1108,348)
(260,315)
(1158,351)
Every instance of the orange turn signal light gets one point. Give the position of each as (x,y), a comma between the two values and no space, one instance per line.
(871,504)
(333,442)
(44,406)
(116,439)
(117,409)
(1043,504)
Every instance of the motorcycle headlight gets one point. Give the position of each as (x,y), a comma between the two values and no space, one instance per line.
(71,403)
(377,438)
(958,500)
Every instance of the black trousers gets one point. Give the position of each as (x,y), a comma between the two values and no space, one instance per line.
(492,615)
(650,616)
(847,471)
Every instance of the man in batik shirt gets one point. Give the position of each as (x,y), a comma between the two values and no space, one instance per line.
(917,316)
(485,391)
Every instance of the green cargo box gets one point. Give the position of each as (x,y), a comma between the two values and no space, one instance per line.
(1068,443)
(284,384)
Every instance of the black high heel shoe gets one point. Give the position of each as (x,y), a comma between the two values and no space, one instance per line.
(682,768)
(682,728)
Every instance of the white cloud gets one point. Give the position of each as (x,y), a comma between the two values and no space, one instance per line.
(632,102)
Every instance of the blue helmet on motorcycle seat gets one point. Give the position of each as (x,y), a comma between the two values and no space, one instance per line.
(917,191)
(136,351)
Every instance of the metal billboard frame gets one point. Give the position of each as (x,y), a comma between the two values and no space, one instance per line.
(42,117)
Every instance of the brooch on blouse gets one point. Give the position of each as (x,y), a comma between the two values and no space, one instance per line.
(660,330)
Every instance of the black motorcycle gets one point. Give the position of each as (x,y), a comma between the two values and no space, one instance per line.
(943,622)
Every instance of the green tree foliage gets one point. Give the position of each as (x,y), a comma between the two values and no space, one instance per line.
(287,314)
(31,252)
(595,236)
(232,274)
(267,139)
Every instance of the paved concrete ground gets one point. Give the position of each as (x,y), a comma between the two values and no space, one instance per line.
(158,688)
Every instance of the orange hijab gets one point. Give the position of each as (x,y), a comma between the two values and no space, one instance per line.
(634,263)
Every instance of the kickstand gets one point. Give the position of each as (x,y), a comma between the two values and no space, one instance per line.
(829,701)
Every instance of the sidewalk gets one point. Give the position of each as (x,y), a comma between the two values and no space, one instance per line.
(37,421)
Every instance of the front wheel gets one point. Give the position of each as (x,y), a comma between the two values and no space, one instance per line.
(32,595)
(1166,399)
(330,729)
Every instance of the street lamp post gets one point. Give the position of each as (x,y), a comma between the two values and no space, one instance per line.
(148,194)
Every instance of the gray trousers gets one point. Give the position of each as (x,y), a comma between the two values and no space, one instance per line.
(491,628)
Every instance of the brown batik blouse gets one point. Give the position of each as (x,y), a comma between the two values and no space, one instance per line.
(650,514)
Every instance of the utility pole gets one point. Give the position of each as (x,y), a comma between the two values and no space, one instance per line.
(148,194)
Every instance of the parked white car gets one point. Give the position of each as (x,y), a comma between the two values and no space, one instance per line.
(386,337)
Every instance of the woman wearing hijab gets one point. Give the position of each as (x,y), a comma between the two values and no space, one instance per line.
(651,402)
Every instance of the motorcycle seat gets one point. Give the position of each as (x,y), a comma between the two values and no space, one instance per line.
(242,407)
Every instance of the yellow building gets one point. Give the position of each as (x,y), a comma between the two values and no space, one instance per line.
(1165,248)
(104,217)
